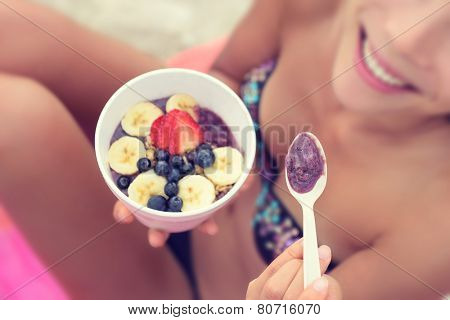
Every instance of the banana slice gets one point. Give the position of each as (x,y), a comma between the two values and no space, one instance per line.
(145,185)
(227,167)
(196,192)
(184,102)
(139,119)
(124,153)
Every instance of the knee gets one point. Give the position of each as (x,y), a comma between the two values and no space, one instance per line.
(26,106)
(25,98)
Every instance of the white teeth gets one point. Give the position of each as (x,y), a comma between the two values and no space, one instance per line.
(377,70)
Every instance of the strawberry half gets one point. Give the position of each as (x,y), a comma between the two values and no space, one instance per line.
(186,134)
(154,130)
(167,131)
(156,133)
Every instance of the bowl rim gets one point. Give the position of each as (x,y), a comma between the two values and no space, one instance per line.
(249,158)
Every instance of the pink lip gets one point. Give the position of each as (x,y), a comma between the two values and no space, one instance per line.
(370,79)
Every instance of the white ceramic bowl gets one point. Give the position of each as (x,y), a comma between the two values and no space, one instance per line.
(210,93)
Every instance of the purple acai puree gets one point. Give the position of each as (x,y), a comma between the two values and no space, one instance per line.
(304,164)
(215,131)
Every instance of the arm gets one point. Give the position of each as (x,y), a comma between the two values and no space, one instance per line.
(392,269)
(81,67)
(255,40)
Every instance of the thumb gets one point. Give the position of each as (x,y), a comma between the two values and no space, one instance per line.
(334,289)
(324,288)
(318,290)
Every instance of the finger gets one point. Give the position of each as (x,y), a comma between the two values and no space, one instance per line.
(318,290)
(324,258)
(297,285)
(121,213)
(209,227)
(276,286)
(295,251)
(248,183)
(334,289)
(157,238)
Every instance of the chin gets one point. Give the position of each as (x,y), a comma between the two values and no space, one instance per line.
(353,98)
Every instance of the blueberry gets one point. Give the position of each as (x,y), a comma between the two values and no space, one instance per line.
(157,203)
(204,146)
(190,156)
(162,168)
(171,189)
(176,161)
(123,182)
(175,204)
(187,168)
(162,155)
(144,164)
(174,175)
(205,158)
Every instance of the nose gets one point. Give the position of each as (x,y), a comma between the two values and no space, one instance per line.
(418,27)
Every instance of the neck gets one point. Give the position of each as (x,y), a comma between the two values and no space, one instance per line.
(392,128)
(401,123)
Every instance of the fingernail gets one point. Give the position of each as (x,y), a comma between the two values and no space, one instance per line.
(117,213)
(155,240)
(212,230)
(321,284)
(121,214)
(125,216)
(324,252)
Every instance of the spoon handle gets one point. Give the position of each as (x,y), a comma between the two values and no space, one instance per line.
(311,264)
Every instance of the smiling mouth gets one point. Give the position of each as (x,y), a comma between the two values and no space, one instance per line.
(377,72)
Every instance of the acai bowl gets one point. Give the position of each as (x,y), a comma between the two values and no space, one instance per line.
(174,145)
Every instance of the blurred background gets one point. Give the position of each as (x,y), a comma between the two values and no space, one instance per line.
(160,27)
